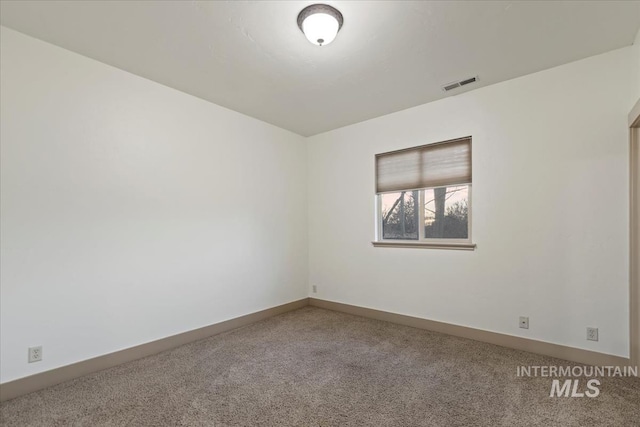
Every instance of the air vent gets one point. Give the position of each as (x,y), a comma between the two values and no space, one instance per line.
(451,86)
(467,81)
(459,83)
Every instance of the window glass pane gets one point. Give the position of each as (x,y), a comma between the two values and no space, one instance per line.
(400,215)
(446,212)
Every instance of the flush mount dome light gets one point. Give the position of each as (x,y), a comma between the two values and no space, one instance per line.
(320,23)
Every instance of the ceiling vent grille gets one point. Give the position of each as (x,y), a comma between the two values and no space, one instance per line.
(459,83)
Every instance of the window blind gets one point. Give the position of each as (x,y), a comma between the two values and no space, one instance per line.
(433,165)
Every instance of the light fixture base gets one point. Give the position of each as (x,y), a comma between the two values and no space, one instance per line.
(320,8)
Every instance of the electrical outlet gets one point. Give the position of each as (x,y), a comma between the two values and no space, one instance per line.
(315,289)
(592,334)
(524,322)
(35,354)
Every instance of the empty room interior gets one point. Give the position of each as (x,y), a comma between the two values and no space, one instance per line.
(340,213)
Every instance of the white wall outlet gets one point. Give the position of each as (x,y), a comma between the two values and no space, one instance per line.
(592,334)
(524,322)
(35,354)
(315,289)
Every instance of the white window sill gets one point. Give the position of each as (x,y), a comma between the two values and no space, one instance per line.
(424,245)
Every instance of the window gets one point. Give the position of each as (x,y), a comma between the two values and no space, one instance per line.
(424,196)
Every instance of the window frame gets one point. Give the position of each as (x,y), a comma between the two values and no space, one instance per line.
(422,242)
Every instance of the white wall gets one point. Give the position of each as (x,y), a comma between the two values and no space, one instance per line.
(635,49)
(550,209)
(131,211)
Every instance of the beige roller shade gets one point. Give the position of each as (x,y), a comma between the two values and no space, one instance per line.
(433,165)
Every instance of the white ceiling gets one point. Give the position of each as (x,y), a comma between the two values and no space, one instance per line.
(390,55)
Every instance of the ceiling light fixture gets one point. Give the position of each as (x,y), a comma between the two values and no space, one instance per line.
(320,23)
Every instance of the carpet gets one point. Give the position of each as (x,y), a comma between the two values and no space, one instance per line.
(315,367)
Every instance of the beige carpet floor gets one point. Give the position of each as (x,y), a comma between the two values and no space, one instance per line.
(314,367)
